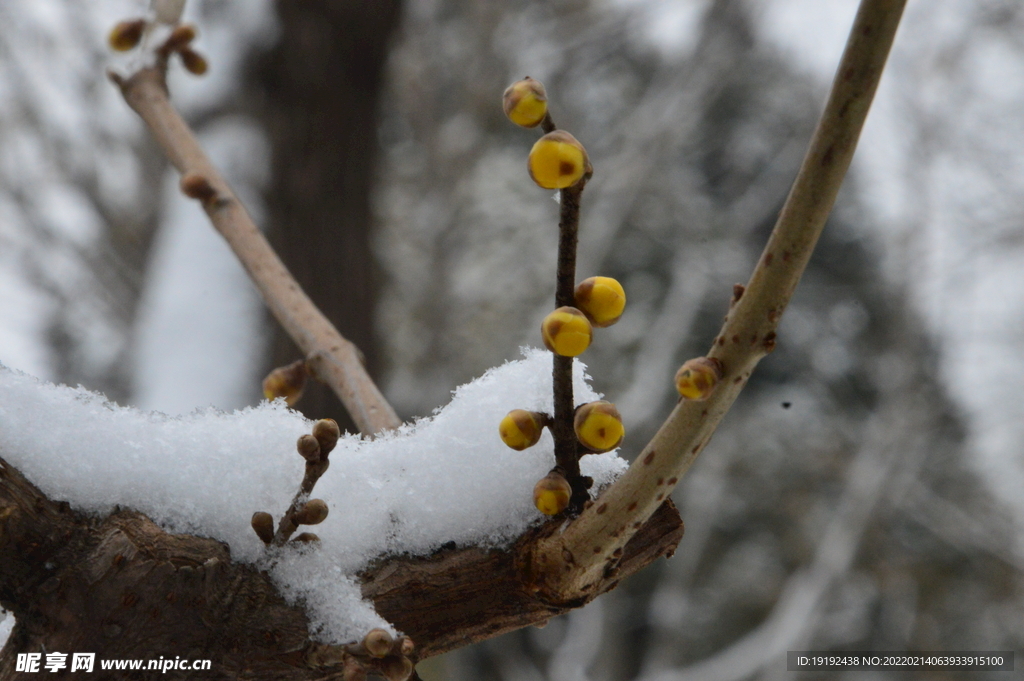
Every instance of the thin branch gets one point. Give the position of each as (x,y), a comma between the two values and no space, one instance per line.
(573,562)
(334,360)
(566,449)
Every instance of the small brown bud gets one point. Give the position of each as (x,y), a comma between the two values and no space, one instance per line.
(396,668)
(263,524)
(306,538)
(378,642)
(327,432)
(194,62)
(312,513)
(406,646)
(180,37)
(126,34)
(288,382)
(352,670)
(196,186)
(308,447)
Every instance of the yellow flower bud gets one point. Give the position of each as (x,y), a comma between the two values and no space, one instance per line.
(601,299)
(551,494)
(288,382)
(263,524)
(521,429)
(558,161)
(313,512)
(598,426)
(566,332)
(525,102)
(126,34)
(698,377)
(194,62)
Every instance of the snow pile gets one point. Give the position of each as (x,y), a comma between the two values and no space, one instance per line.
(447,478)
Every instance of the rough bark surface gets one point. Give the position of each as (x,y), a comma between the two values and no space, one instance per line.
(123,588)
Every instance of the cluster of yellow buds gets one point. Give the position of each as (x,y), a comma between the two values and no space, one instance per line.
(559,161)
(127,35)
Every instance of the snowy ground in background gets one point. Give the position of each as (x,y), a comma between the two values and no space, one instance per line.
(447,478)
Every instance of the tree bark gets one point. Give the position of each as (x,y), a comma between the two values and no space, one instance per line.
(123,588)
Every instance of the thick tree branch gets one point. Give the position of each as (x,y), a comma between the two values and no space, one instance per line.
(572,562)
(123,588)
(332,358)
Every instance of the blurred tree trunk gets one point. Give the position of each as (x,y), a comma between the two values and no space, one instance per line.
(320,86)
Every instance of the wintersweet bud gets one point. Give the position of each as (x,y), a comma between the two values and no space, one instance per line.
(326,432)
(313,512)
(602,299)
(308,447)
(126,34)
(378,642)
(698,377)
(263,524)
(288,382)
(598,426)
(566,332)
(558,161)
(525,102)
(194,62)
(521,429)
(551,494)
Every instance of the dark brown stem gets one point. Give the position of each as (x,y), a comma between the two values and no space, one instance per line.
(566,447)
(287,526)
(548,124)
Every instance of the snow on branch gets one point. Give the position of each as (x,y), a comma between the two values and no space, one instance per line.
(446,480)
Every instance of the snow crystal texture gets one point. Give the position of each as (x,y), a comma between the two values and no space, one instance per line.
(447,478)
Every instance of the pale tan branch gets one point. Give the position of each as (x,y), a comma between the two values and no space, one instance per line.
(574,561)
(335,360)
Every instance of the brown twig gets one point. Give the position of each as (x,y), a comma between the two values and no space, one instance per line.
(333,359)
(587,548)
(566,449)
(315,449)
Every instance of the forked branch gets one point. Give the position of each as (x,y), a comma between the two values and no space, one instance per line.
(573,562)
(332,358)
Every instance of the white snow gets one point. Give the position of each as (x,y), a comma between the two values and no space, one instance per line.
(447,478)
